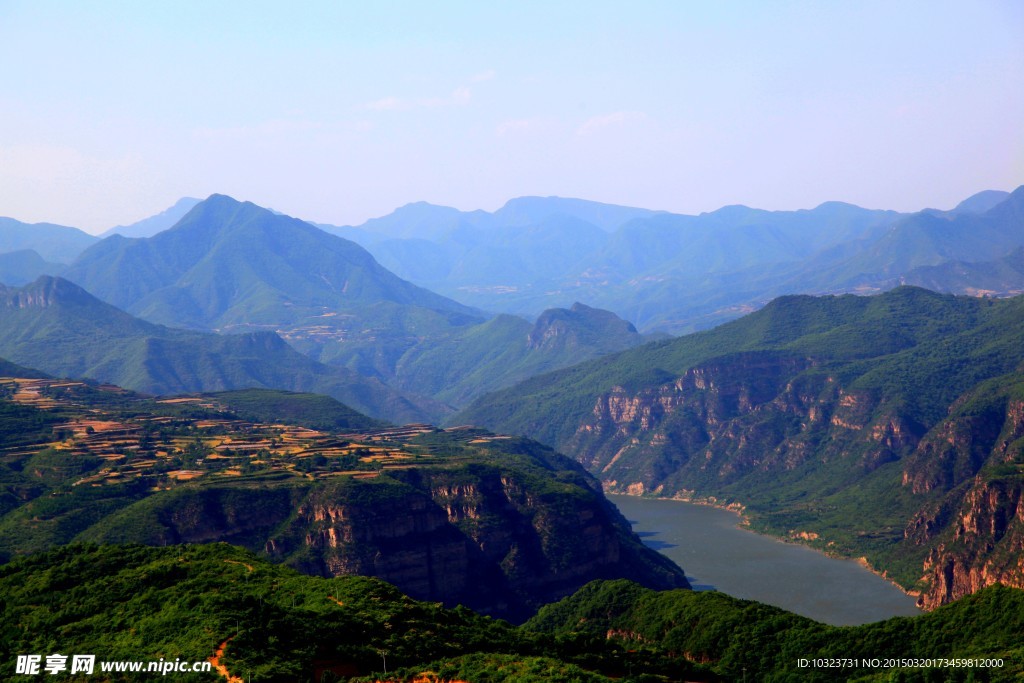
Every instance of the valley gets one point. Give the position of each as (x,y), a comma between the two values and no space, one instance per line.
(444,342)
(883,427)
(865,426)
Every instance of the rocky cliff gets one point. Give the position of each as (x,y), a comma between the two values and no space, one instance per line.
(494,541)
(817,457)
(500,538)
(734,417)
(974,531)
(984,544)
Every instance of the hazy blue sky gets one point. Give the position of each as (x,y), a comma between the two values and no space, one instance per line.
(337,112)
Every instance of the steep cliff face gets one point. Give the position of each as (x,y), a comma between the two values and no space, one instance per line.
(986,545)
(496,541)
(501,539)
(45,292)
(737,416)
(957,448)
(853,423)
(399,536)
(975,530)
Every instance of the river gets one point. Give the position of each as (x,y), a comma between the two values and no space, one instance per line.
(717,554)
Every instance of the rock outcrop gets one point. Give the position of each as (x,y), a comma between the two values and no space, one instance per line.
(736,416)
(986,545)
(502,540)
(975,532)
(494,542)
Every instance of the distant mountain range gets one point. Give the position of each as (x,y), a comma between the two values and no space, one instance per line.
(661,271)
(30,250)
(56,244)
(25,265)
(230,266)
(148,227)
(681,273)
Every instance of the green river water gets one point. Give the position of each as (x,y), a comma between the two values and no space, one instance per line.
(717,554)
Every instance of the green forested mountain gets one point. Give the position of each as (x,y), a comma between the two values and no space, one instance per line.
(498,524)
(804,323)
(60,328)
(747,639)
(463,362)
(264,622)
(234,267)
(507,349)
(888,427)
(229,264)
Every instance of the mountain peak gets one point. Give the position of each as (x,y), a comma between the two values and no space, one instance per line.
(44,292)
(580,326)
(220,212)
(835,207)
(218,197)
(732,212)
(981,202)
(531,210)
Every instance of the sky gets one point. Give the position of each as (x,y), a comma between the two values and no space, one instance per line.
(337,112)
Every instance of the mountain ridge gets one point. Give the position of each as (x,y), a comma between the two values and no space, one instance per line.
(181,266)
(680,273)
(54,243)
(56,326)
(151,225)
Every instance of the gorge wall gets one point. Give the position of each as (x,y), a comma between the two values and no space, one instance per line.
(807,450)
(498,540)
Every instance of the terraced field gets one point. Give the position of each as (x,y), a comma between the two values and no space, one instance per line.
(198,438)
